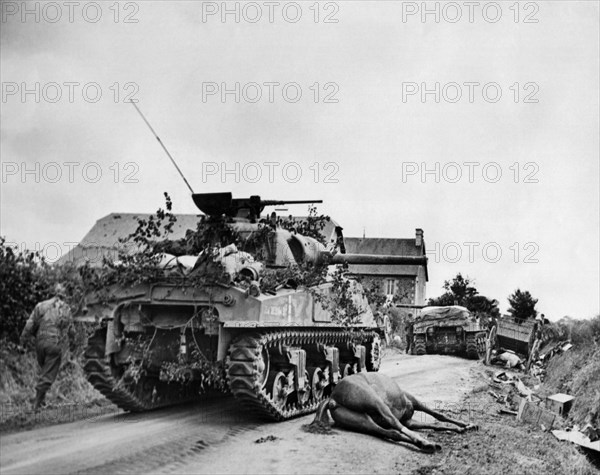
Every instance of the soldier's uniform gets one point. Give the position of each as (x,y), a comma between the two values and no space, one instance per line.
(51,324)
(409,331)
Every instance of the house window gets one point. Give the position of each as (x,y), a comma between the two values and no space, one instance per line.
(390,286)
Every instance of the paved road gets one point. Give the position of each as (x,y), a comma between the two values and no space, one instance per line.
(218,437)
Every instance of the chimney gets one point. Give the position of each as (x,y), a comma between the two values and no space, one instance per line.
(418,237)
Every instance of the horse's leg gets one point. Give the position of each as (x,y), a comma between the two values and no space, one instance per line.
(414,425)
(361,422)
(382,416)
(419,406)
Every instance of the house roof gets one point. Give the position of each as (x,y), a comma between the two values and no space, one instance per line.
(103,239)
(385,246)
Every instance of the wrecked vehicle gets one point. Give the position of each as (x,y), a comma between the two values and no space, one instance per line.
(521,338)
(448,330)
(279,348)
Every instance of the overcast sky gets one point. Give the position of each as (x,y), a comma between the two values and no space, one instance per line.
(359,139)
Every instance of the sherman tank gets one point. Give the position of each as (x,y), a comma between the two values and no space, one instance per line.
(449,330)
(280,349)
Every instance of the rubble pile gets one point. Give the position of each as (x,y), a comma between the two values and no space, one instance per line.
(541,359)
(516,398)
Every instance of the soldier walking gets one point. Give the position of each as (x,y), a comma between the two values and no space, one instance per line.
(51,325)
(408,330)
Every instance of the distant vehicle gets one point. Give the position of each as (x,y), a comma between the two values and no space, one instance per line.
(449,330)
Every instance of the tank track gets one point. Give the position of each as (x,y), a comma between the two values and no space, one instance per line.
(420,348)
(244,364)
(475,350)
(147,394)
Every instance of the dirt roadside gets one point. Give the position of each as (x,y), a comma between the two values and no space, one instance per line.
(220,438)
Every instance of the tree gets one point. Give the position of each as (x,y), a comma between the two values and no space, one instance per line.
(459,291)
(522,305)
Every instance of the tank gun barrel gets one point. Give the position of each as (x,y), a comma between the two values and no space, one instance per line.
(376,259)
(288,202)
(216,204)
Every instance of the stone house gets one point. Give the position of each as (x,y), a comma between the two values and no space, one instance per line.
(407,282)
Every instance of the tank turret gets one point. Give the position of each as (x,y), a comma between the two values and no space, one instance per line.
(286,247)
(218,204)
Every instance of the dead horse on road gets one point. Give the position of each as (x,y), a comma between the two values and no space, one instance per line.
(374,404)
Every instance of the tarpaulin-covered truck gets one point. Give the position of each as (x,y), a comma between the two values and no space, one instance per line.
(448,330)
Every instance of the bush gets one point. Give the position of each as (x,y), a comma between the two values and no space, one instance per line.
(577,371)
(25,280)
(585,331)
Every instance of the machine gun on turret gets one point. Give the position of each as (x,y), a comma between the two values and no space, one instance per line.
(218,204)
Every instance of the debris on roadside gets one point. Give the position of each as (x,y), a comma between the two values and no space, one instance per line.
(577,437)
(555,349)
(534,365)
(592,432)
(519,400)
(559,403)
(509,359)
(269,438)
(536,415)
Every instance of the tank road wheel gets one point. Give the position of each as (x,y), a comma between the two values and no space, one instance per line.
(277,384)
(263,381)
(303,395)
(374,354)
(262,365)
(420,348)
(346,370)
(317,382)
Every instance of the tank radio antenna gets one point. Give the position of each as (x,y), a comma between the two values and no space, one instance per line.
(161,144)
